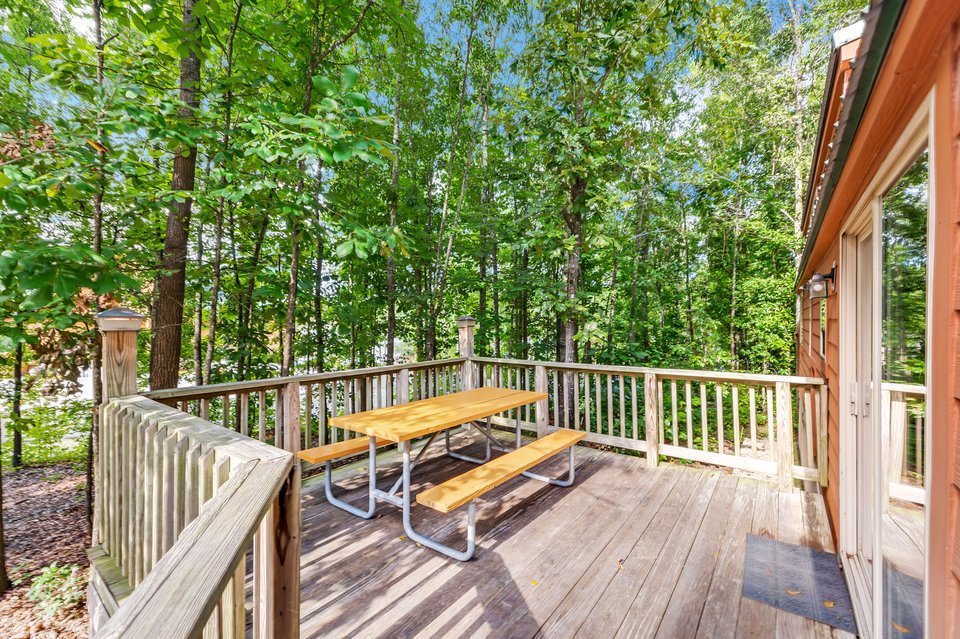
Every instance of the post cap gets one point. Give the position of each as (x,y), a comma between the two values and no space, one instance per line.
(119,319)
(466,320)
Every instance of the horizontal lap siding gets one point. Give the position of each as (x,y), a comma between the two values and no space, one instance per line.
(953,413)
(810,363)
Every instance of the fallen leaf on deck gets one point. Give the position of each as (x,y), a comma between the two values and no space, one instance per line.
(828,604)
(792,592)
(534,582)
(899,628)
(402,537)
(620,564)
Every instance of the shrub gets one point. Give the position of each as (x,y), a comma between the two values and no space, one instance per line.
(53,430)
(56,588)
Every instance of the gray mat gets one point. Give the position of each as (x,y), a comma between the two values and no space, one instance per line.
(797,579)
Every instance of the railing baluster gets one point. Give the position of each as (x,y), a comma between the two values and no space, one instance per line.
(225,411)
(576,401)
(704,439)
(735,399)
(322,416)
(609,404)
(633,406)
(623,407)
(308,416)
(753,419)
(245,414)
(586,402)
(719,393)
(673,411)
(771,425)
(689,406)
(599,403)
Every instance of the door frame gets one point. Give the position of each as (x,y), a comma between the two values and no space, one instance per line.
(867,214)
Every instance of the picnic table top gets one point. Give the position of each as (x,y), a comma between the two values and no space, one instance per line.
(404,422)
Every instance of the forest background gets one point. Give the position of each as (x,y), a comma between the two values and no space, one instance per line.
(286,186)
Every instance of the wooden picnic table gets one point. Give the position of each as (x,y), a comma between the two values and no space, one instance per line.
(403,423)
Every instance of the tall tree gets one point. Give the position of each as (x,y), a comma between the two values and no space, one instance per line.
(170,283)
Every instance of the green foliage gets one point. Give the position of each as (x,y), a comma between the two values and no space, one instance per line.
(57,589)
(667,143)
(54,429)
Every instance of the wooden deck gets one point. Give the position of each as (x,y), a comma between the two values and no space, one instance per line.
(626,551)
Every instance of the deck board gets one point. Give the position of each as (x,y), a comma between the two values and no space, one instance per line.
(628,550)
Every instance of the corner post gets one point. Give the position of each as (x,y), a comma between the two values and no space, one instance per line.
(651,419)
(543,407)
(119,328)
(465,328)
(784,407)
(290,417)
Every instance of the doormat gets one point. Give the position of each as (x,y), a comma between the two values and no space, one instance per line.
(797,579)
(903,603)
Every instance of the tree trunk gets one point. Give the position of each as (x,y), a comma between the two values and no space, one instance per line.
(610,310)
(393,197)
(93,439)
(198,317)
(4,578)
(496,297)
(17,399)
(165,349)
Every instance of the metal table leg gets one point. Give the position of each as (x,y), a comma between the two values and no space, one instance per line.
(467,458)
(427,541)
(371,489)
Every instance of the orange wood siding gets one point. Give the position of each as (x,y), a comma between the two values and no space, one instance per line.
(809,362)
(949,238)
(924,56)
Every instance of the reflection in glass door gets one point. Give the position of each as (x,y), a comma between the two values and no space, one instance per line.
(903,394)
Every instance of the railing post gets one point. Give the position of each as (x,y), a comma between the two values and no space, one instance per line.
(784,406)
(119,328)
(290,419)
(277,552)
(651,421)
(465,327)
(543,406)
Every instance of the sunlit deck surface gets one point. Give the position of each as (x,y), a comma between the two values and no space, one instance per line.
(626,551)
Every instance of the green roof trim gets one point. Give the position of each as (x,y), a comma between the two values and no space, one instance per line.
(881,23)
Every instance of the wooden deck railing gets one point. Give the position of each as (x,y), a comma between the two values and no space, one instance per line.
(903,426)
(182,503)
(293,413)
(725,419)
(198,492)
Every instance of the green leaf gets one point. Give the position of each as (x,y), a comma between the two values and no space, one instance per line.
(324,85)
(342,152)
(349,78)
(345,249)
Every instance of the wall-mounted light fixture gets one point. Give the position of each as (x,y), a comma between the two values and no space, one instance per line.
(818,284)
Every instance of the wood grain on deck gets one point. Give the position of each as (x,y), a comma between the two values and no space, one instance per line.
(626,552)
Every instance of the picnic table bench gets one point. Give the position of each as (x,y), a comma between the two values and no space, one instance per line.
(402,423)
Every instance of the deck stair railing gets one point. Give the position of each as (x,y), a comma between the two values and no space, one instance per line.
(194,524)
(194,453)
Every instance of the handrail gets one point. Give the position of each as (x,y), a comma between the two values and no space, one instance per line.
(918,390)
(251,489)
(666,373)
(275,383)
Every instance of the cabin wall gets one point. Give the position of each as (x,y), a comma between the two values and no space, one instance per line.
(924,57)
(945,378)
(811,362)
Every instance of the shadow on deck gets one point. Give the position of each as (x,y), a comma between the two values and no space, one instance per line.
(626,551)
